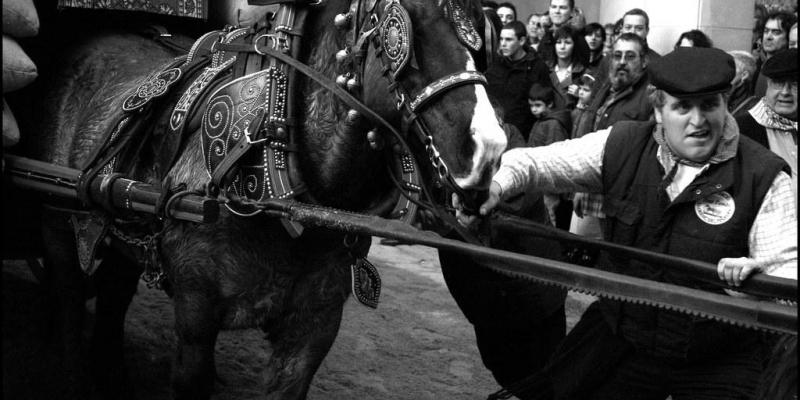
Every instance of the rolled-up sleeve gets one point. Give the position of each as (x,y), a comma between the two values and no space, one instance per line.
(568,166)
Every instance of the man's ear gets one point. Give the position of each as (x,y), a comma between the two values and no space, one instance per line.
(745,75)
(524,39)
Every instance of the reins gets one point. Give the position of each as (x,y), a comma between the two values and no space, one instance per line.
(356,104)
(392,28)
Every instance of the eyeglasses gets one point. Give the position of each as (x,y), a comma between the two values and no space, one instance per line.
(780,85)
(629,55)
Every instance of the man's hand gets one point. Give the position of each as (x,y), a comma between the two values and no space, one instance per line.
(485,209)
(735,270)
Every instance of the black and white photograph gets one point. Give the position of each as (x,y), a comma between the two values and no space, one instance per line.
(399,199)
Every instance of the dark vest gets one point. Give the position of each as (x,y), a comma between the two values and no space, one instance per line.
(640,214)
(752,129)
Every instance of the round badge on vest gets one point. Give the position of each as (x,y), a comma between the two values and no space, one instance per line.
(716,208)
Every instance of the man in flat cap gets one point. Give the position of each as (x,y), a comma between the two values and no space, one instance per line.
(689,185)
(773,120)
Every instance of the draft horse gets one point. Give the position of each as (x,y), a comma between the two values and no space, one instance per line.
(409,61)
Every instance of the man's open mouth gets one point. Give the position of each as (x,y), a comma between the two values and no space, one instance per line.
(701,134)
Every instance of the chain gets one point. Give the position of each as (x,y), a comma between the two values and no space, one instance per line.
(152,275)
(436,159)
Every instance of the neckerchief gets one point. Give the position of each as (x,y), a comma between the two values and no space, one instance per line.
(726,148)
(768,118)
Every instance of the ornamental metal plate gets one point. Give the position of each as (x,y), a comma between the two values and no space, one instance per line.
(366,283)
(395,36)
(194,91)
(237,109)
(465,29)
(155,86)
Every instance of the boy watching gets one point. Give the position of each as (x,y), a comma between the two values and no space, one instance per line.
(552,125)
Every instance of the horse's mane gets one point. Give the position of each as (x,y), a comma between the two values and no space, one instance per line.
(331,144)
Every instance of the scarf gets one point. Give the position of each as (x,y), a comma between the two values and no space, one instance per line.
(769,119)
(726,149)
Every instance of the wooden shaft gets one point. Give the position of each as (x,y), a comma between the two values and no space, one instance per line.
(122,193)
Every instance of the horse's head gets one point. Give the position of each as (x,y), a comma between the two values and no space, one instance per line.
(424,49)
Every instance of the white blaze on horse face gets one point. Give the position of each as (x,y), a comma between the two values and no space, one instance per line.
(490,140)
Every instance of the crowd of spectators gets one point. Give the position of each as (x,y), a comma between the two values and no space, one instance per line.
(577,88)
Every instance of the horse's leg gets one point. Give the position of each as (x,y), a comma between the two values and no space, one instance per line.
(303,338)
(66,288)
(116,280)
(197,324)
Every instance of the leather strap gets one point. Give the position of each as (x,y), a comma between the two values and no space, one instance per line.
(323,81)
(225,170)
(444,84)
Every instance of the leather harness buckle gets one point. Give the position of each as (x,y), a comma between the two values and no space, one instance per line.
(265,37)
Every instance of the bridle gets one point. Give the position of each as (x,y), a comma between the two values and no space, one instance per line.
(389,30)
(391,35)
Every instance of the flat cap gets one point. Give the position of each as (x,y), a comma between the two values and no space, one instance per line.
(781,65)
(693,71)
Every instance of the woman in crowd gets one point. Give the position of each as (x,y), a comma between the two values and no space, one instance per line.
(595,36)
(570,63)
(694,38)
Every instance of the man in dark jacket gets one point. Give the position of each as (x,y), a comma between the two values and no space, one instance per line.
(687,185)
(623,97)
(511,75)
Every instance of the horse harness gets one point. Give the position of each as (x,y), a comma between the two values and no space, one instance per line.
(247,81)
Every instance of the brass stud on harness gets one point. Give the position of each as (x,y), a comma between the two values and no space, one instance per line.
(352,116)
(353,84)
(341,80)
(342,21)
(374,139)
(341,55)
(280,133)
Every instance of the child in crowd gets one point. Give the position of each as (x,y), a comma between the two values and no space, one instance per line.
(552,125)
(585,90)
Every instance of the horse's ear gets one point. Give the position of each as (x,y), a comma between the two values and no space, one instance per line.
(463,24)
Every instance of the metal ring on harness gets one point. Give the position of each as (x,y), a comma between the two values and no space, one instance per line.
(106,194)
(266,36)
